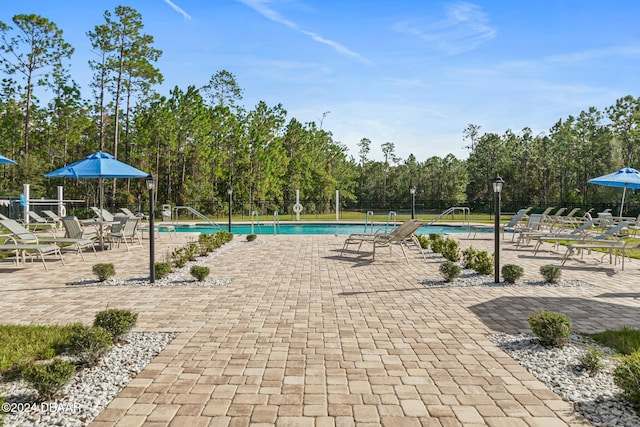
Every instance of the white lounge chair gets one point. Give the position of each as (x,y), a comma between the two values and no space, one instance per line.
(399,235)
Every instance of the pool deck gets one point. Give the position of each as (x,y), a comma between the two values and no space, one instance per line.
(303,336)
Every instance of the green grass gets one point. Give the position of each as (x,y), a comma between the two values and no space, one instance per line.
(21,344)
(624,341)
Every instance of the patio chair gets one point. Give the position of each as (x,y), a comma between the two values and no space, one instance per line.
(23,235)
(400,235)
(128,232)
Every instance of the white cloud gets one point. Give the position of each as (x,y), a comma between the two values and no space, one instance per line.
(464,28)
(177,9)
(264,9)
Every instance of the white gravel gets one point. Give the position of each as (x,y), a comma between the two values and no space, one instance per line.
(90,390)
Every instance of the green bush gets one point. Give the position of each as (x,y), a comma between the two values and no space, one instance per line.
(104,271)
(192,250)
(437,243)
(199,272)
(117,322)
(512,272)
(251,237)
(162,269)
(550,273)
(553,329)
(90,344)
(592,360)
(180,257)
(423,240)
(469,257)
(49,378)
(626,375)
(451,249)
(483,263)
(449,271)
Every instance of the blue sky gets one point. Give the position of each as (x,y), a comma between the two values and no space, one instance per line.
(411,72)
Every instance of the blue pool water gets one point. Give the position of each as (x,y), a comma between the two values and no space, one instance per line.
(319,228)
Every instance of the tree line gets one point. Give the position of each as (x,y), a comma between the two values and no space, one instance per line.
(199,142)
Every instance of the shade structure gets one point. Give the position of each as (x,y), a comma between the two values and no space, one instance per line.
(4,160)
(624,178)
(98,165)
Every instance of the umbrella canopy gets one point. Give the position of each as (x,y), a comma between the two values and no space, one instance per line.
(98,165)
(4,160)
(625,178)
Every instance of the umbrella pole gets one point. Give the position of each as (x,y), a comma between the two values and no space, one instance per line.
(624,194)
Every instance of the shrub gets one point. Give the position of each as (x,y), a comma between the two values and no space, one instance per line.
(180,257)
(49,378)
(550,273)
(199,272)
(117,322)
(591,361)
(423,240)
(437,243)
(483,263)
(192,251)
(553,329)
(626,375)
(449,271)
(162,269)
(451,249)
(469,257)
(90,344)
(251,237)
(512,272)
(104,271)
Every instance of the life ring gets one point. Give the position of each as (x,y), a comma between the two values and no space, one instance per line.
(63,210)
(297,208)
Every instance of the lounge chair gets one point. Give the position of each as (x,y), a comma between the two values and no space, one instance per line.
(127,211)
(105,215)
(511,225)
(24,236)
(400,235)
(581,233)
(52,216)
(23,249)
(40,222)
(609,240)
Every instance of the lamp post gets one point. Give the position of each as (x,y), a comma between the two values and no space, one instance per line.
(412,190)
(497,189)
(151,186)
(230,193)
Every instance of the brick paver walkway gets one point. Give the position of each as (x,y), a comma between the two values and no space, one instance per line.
(305,337)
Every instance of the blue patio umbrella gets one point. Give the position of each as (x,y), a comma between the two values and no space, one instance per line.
(98,165)
(4,160)
(625,178)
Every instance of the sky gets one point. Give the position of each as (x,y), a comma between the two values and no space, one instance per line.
(412,72)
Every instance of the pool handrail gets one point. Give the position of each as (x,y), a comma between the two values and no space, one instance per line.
(193,212)
(276,222)
(366,221)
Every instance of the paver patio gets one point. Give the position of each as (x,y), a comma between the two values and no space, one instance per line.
(304,337)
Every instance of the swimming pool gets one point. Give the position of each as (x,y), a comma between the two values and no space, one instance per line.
(317,228)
